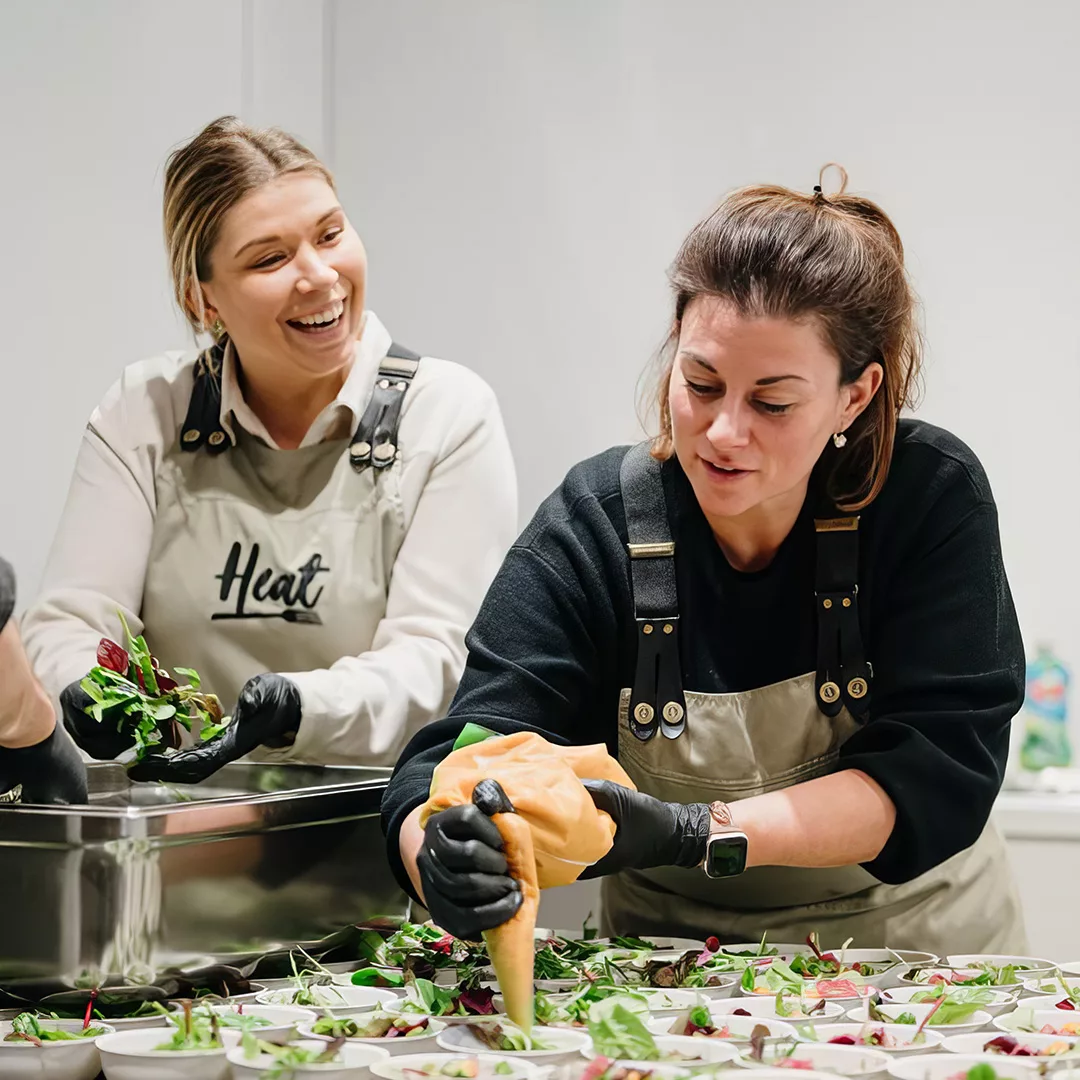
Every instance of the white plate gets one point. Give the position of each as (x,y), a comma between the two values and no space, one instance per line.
(1055,993)
(973,1044)
(340,1000)
(823,1057)
(1035,966)
(354,1065)
(931,1039)
(944,1066)
(130,1055)
(411,1044)
(740,1028)
(1001,1000)
(927,973)
(766,1007)
(67,1060)
(809,993)
(976,1022)
(1036,1019)
(566,1044)
(396,1068)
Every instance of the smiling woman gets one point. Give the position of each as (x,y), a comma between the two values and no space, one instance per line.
(787,615)
(305,513)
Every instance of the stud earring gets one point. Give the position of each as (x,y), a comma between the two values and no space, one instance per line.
(217,329)
(839,440)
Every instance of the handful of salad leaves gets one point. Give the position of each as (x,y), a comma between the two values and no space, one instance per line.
(424,998)
(191,1032)
(152,706)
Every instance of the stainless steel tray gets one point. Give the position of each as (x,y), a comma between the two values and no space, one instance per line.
(150,876)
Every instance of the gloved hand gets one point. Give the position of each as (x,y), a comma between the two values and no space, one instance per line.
(100,740)
(267,714)
(650,832)
(51,772)
(463,871)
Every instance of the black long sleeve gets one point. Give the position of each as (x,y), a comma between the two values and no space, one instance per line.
(554,642)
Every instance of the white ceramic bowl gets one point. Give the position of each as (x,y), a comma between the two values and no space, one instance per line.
(136,1023)
(740,1028)
(411,1044)
(1035,966)
(68,1060)
(976,1022)
(810,993)
(1050,988)
(284,1019)
(666,1002)
(340,1000)
(565,1044)
(944,1066)
(825,1057)
(765,1007)
(1001,1000)
(354,1064)
(1037,1019)
(931,1040)
(130,1055)
(783,949)
(973,1044)
(408,1066)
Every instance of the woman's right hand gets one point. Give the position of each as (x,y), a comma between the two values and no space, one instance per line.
(100,740)
(463,873)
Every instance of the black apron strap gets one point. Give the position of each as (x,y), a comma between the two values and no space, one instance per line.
(375,441)
(656,698)
(843,674)
(202,425)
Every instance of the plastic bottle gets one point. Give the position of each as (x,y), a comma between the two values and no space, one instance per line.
(1045,713)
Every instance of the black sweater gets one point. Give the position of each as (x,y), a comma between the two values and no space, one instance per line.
(554,642)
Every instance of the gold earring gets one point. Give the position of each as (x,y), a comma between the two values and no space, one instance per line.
(839,440)
(217,329)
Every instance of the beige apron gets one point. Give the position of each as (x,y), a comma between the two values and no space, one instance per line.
(268,560)
(743,744)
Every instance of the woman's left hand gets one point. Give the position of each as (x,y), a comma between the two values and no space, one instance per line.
(267,714)
(650,832)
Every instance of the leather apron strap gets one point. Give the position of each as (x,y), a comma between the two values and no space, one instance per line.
(656,699)
(374,443)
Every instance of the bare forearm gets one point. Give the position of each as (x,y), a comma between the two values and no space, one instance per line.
(26,714)
(409,840)
(835,820)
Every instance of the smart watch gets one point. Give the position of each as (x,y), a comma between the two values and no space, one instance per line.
(725,853)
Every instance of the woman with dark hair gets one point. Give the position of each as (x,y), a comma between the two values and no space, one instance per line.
(787,616)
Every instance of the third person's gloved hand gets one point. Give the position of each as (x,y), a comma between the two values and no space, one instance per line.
(51,772)
(268,713)
(463,872)
(649,832)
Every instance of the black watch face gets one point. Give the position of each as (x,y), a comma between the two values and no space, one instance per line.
(726,856)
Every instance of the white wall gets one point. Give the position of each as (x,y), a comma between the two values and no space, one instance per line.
(92,97)
(523,173)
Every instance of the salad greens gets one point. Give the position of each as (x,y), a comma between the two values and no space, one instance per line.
(506,1038)
(415,946)
(287,1058)
(422,996)
(192,1032)
(27,1028)
(145,699)
(376,1026)
(618,1031)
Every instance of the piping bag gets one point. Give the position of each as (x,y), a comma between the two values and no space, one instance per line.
(550,828)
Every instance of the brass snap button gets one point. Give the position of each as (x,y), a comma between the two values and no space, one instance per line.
(216,438)
(191,435)
(647,628)
(360,450)
(668,628)
(384,452)
(643,713)
(847,601)
(857,688)
(826,603)
(829,692)
(673,712)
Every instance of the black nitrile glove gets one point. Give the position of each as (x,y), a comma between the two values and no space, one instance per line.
(463,870)
(102,741)
(51,772)
(650,832)
(267,714)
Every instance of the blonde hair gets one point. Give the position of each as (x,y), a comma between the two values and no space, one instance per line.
(836,259)
(204,179)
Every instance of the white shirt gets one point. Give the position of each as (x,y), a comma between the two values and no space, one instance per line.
(438,524)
